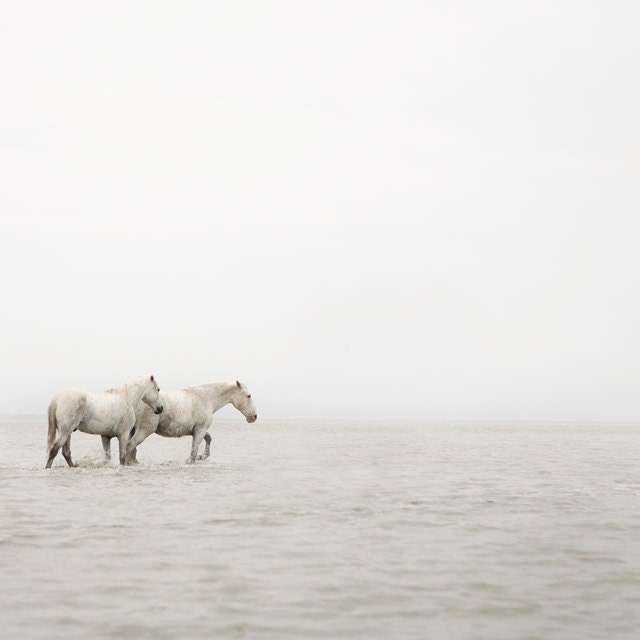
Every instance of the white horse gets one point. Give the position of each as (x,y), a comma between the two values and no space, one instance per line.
(110,413)
(189,412)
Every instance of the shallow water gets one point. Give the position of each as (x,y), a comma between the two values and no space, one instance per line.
(326,530)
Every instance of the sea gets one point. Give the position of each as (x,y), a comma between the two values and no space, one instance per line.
(302,529)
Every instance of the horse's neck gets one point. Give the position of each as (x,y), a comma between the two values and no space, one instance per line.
(218,394)
(134,391)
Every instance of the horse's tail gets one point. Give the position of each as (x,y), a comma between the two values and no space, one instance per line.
(53,424)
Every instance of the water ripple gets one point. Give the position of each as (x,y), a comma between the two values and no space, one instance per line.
(327,531)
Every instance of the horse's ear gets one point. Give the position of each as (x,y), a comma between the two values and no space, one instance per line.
(239,385)
(151,378)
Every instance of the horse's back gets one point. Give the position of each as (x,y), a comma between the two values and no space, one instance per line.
(97,413)
(104,401)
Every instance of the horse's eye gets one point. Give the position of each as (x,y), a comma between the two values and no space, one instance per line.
(249,395)
(158,389)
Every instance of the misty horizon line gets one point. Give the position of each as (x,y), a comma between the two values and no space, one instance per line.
(431,421)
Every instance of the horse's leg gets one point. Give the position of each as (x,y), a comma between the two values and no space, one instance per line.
(69,413)
(61,441)
(144,427)
(198,435)
(122,445)
(106,445)
(207,447)
(132,445)
(132,453)
(53,452)
(66,452)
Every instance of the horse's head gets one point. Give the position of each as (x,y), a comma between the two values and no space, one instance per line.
(151,396)
(242,401)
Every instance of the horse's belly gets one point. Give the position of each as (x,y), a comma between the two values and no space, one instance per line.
(174,430)
(96,429)
(99,427)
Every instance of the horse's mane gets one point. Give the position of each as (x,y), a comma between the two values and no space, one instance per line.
(115,389)
(198,387)
(122,386)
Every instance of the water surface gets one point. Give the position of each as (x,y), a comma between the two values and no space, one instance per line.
(326,530)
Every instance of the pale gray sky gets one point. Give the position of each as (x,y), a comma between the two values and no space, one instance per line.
(415,210)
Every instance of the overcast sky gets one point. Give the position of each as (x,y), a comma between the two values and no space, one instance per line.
(411,210)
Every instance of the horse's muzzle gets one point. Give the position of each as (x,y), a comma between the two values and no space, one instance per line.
(252,418)
(158,410)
